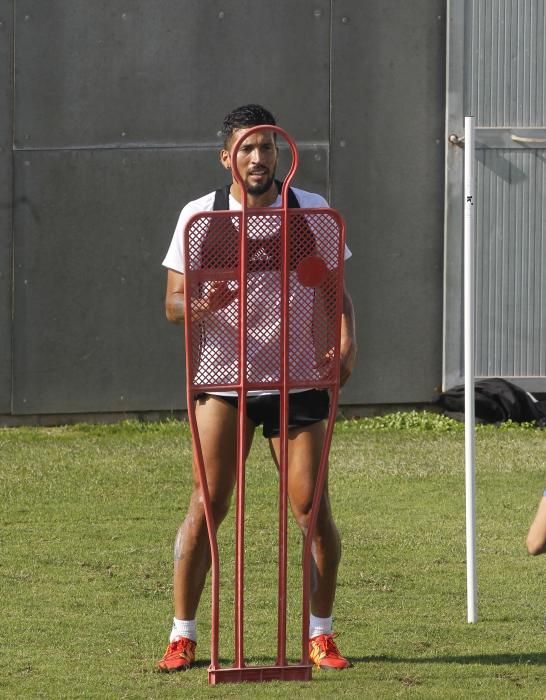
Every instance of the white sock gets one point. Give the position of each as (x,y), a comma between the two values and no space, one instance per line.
(183,628)
(319,625)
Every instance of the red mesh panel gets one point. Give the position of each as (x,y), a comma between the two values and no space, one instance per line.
(212,262)
(313,320)
(212,255)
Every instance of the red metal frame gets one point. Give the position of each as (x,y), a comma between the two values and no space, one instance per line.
(282,670)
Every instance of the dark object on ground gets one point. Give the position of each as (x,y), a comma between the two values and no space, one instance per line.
(497,400)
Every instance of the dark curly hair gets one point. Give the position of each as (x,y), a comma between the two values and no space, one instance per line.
(243,118)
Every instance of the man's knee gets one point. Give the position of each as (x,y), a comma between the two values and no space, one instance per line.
(219,505)
(325,527)
(220,508)
(302,504)
(302,510)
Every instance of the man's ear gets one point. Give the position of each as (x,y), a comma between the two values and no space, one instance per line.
(225,159)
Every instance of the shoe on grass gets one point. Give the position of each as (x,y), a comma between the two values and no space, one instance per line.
(324,653)
(179,656)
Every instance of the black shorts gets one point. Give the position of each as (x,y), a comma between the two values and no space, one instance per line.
(304,408)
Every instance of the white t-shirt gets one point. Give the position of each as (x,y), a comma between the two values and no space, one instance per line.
(263,319)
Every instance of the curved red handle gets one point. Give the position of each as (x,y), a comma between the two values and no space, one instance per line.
(237,175)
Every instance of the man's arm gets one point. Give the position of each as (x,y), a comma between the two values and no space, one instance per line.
(218,296)
(174,297)
(348,338)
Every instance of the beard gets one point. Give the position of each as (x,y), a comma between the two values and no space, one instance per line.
(261,188)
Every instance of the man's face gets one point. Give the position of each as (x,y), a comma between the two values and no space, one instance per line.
(256,160)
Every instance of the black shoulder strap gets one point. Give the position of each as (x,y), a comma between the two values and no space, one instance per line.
(292,199)
(221,198)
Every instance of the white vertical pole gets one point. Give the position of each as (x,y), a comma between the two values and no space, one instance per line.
(469,411)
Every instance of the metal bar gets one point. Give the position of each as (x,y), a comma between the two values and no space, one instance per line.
(502,137)
(271,386)
(323,465)
(469,327)
(148,146)
(307,549)
(284,409)
(283,405)
(528,139)
(240,532)
(241,436)
(199,461)
(211,530)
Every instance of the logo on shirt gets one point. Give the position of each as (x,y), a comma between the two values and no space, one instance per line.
(260,256)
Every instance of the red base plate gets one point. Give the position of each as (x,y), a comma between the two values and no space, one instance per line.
(258,674)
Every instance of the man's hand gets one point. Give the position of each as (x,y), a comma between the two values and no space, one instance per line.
(218,297)
(347,360)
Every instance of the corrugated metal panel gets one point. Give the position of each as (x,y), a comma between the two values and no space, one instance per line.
(511,264)
(506,62)
(506,56)
(504,87)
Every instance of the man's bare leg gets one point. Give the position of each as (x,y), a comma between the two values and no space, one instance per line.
(304,451)
(217,425)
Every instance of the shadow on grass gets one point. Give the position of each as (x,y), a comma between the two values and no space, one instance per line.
(529,658)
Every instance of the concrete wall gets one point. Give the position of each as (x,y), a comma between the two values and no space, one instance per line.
(110,124)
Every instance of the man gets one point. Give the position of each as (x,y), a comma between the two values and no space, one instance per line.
(216,416)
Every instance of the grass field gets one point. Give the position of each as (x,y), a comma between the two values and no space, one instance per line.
(88,516)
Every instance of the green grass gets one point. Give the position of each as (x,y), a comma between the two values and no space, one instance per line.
(88,515)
